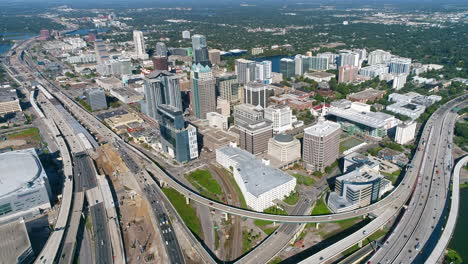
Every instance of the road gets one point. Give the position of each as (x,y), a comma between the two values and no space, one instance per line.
(439,250)
(420,226)
(419,164)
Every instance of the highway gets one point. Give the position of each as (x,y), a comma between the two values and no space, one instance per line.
(426,208)
(439,250)
(418,164)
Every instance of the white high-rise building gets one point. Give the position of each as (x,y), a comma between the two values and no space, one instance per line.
(298,65)
(399,81)
(281,116)
(186,34)
(405,132)
(139,42)
(398,65)
(378,57)
(348,58)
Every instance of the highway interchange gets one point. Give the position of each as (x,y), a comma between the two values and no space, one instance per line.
(430,169)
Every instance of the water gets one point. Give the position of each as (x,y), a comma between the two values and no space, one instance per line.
(459,239)
(16,35)
(4,48)
(86,31)
(275,61)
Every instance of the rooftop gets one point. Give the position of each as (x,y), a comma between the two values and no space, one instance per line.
(360,177)
(368,93)
(258,177)
(20,169)
(320,74)
(322,128)
(15,242)
(370,119)
(284,138)
(8,95)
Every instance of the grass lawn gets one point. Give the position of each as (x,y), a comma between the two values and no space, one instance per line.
(393,177)
(30,132)
(247,239)
(320,207)
(305,180)
(292,199)
(349,143)
(345,224)
(205,179)
(262,223)
(186,211)
(275,210)
(463,185)
(276,260)
(270,230)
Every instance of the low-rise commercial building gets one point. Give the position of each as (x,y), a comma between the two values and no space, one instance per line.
(15,246)
(368,95)
(108,83)
(115,122)
(283,150)
(357,188)
(217,120)
(213,138)
(96,98)
(126,95)
(9,102)
(411,110)
(320,76)
(372,124)
(260,184)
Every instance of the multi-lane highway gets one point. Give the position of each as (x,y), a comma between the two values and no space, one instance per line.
(419,229)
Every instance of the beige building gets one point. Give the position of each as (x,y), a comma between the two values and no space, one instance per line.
(9,102)
(122,121)
(284,150)
(215,56)
(223,107)
(213,138)
(321,145)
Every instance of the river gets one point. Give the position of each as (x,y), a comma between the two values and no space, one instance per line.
(459,240)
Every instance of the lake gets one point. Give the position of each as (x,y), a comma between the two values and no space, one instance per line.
(86,31)
(4,48)
(275,61)
(16,35)
(459,239)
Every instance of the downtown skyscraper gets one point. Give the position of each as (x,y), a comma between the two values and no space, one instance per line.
(139,42)
(200,50)
(203,90)
(161,87)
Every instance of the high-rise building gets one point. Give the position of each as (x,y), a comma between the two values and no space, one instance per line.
(378,57)
(160,63)
(245,70)
(318,63)
(246,113)
(214,56)
(200,50)
(298,67)
(256,93)
(373,70)
(223,107)
(161,87)
(287,67)
(203,90)
(263,72)
(178,138)
(362,54)
(321,145)
(332,57)
(227,87)
(186,34)
(100,48)
(405,132)
(139,42)
(254,136)
(280,116)
(96,98)
(348,58)
(161,49)
(399,65)
(399,81)
(347,74)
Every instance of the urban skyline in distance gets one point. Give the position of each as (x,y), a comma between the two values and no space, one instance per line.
(233,131)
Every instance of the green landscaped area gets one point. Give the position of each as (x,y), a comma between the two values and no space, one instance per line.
(248,238)
(349,143)
(32,133)
(393,177)
(304,180)
(266,226)
(320,207)
(275,210)
(186,211)
(204,182)
(292,199)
